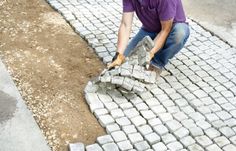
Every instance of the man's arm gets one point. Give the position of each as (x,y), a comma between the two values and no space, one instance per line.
(124,31)
(123,39)
(160,39)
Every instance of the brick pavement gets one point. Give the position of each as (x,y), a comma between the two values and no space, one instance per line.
(192,106)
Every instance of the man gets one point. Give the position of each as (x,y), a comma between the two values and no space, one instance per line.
(163,20)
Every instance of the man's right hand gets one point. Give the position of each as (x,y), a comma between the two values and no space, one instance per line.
(118,59)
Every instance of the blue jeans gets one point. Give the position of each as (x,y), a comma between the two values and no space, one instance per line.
(174,43)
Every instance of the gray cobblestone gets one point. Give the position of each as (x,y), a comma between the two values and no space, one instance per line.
(213,147)
(173,125)
(195,147)
(212,133)
(110,146)
(221,141)
(135,137)
(145,129)
(141,146)
(204,141)
(118,136)
(203,124)
(196,131)
(129,129)
(161,129)
(168,138)
(124,145)
(152,138)
(159,147)
(187,141)
(93,147)
(182,132)
(138,121)
(106,120)
(175,146)
(229,147)
(104,139)
(77,147)
(227,131)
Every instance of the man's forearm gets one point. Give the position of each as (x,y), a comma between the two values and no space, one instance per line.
(123,38)
(159,41)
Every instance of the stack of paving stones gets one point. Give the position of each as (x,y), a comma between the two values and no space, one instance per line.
(133,74)
(190,107)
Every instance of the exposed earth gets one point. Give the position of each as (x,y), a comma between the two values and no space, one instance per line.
(50,65)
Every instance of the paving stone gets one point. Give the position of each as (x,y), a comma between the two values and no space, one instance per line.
(164,117)
(148,114)
(203,124)
(118,136)
(230,122)
(155,121)
(180,116)
(196,131)
(123,121)
(106,120)
(182,132)
(141,146)
(223,115)
(189,123)
(233,139)
(138,121)
(203,140)
(77,147)
(152,138)
(213,147)
(196,116)
(168,138)
(175,146)
(132,112)
(99,112)
(111,105)
(112,127)
(218,124)
(212,133)
(187,141)
(135,137)
(117,113)
(212,117)
(195,147)
(227,131)
(159,147)
(125,145)
(145,129)
(173,125)
(129,129)
(93,147)
(160,129)
(110,146)
(104,139)
(141,106)
(158,109)
(229,147)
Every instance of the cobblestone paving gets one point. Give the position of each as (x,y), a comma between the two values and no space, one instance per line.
(191,107)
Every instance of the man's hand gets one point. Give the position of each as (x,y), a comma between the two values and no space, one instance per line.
(118,61)
(151,55)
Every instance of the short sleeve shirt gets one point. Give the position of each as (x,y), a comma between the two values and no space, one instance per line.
(152,12)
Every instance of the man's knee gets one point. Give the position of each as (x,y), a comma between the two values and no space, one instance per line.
(181,37)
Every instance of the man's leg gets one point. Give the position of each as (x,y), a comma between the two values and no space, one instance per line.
(137,38)
(174,43)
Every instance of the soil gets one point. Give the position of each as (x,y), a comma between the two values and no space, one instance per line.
(51,65)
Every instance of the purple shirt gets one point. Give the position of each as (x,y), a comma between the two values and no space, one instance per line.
(151,12)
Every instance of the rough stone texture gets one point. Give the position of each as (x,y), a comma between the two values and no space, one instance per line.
(193,100)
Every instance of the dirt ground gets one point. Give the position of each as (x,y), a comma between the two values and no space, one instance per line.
(50,65)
